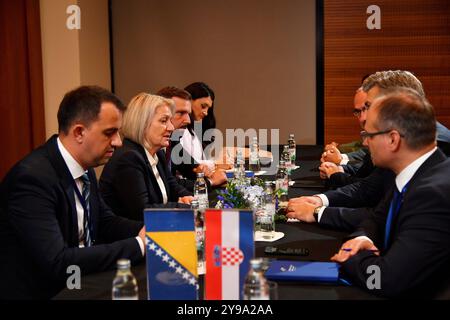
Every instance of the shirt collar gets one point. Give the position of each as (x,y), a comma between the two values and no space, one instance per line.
(76,170)
(153,160)
(406,174)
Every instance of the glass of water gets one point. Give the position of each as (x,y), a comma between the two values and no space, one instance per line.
(267,224)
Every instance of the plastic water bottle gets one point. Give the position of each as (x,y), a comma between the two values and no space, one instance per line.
(254,163)
(239,169)
(124,284)
(199,236)
(255,284)
(267,214)
(286,157)
(282,183)
(201,191)
(292,148)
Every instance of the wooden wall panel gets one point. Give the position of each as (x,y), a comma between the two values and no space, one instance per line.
(414,36)
(22,123)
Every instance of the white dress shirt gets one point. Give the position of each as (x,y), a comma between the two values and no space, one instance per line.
(193,146)
(153,163)
(77,171)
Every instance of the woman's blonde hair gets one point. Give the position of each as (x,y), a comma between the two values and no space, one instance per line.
(140,113)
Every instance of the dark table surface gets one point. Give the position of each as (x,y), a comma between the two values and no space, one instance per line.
(321,243)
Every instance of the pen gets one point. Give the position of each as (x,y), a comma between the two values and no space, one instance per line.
(348,250)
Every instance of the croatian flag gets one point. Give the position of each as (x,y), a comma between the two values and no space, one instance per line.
(171,254)
(229,247)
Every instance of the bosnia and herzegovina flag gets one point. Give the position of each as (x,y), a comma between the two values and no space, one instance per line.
(229,247)
(171,254)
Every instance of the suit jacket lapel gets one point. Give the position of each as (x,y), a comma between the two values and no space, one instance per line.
(162,172)
(93,205)
(433,160)
(153,189)
(67,184)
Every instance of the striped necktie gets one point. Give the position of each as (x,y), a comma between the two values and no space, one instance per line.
(85,194)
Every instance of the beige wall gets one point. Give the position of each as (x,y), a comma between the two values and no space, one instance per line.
(72,57)
(258,56)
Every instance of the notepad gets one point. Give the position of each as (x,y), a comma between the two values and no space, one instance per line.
(303,271)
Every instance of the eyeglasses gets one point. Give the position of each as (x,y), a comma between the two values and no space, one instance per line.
(357,112)
(364,134)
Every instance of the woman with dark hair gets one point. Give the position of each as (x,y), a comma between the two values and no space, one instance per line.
(202,107)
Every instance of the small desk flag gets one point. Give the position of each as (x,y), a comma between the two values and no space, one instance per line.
(171,254)
(229,247)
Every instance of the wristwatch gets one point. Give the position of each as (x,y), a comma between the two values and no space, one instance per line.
(316,213)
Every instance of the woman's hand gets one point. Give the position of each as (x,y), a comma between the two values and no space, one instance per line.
(185,199)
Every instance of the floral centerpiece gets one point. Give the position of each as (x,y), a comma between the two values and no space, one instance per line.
(241,194)
(244,194)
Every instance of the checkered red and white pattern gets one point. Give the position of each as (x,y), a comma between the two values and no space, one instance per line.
(232,256)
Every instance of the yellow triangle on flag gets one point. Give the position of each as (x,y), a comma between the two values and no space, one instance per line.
(180,245)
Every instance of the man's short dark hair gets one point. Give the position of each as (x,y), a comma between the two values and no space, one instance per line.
(83,105)
(410,113)
(170,92)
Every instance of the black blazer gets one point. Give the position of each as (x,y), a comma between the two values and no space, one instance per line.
(356,159)
(39,228)
(346,219)
(352,204)
(339,179)
(365,193)
(128,184)
(418,259)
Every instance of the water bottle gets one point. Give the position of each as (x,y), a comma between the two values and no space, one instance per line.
(282,184)
(286,157)
(254,163)
(267,215)
(239,169)
(292,148)
(199,236)
(124,284)
(201,191)
(255,284)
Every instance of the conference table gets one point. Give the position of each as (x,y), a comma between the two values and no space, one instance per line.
(320,242)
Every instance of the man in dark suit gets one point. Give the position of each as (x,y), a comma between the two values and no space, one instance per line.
(346,207)
(180,121)
(403,248)
(52,215)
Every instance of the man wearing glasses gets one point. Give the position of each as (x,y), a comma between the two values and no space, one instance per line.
(407,237)
(346,207)
(343,169)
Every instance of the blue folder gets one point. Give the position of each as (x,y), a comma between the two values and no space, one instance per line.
(303,271)
(248,174)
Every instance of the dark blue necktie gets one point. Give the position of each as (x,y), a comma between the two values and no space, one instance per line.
(394,208)
(85,193)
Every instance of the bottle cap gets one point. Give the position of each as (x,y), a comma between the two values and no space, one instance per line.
(123,263)
(200,175)
(256,263)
